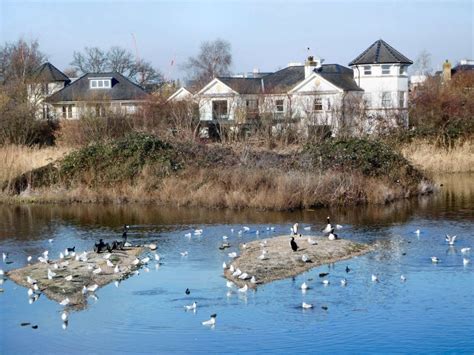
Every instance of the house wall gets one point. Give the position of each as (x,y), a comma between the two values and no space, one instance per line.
(37,94)
(79,109)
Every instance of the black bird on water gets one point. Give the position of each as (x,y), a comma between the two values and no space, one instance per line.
(293,244)
(124,234)
(187,291)
(347,269)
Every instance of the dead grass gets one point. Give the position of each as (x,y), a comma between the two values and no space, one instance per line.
(16,160)
(429,157)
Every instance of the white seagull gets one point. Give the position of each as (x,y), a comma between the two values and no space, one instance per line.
(244,289)
(97,271)
(304,286)
(188,235)
(145,260)
(417,232)
(64,316)
(305,258)
(230,284)
(434,259)
(191,307)
(450,239)
(465,261)
(403,278)
(374,278)
(326,282)
(311,241)
(237,272)
(224,265)
(109,263)
(344,282)
(231,268)
(92,288)
(211,321)
(198,232)
(64,302)
(116,269)
(232,255)
(51,274)
(68,278)
(157,257)
(184,253)
(244,276)
(306,305)
(465,250)
(30,280)
(29,258)
(253,280)
(136,261)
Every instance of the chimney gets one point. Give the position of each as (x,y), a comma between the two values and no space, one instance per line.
(309,66)
(446,71)
(256,72)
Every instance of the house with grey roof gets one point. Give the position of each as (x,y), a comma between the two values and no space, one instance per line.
(312,95)
(92,93)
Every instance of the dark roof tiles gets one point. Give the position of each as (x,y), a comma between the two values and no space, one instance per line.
(49,73)
(380,52)
(122,89)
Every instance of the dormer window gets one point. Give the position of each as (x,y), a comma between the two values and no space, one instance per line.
(367,70)
(100,83)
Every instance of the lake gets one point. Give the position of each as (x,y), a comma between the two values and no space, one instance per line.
(431,312)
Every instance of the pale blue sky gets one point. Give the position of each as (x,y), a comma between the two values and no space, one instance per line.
(264,34)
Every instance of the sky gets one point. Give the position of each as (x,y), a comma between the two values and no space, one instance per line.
(263,34)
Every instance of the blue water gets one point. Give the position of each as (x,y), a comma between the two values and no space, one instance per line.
(432,312)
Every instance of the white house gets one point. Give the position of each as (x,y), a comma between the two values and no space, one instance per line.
(94,93)
(313,94)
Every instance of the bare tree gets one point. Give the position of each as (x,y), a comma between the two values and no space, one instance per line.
(18,60)
(93,60)
(422,65)
(214,59)
(121,61)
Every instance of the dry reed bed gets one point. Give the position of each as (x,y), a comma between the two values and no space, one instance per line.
(429,157)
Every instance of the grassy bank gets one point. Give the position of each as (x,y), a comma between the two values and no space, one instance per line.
(142,168)
(435,159)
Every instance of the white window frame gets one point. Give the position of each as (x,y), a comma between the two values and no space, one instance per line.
(100,83)
(279,105)
(386,69)
(367,70)
(386,99)
(318,104)
(218,115)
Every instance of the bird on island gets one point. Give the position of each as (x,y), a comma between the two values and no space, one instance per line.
(28,259)
(244,276)
(211,321)
(434,259)
(136,261)
(35,287)
(187,291)
(450,239)
(403,278)
(465,250)
(231,268)
(311,241)
(30,280)
(244,289)
(64,316)
(262,256)
(305,305)
(64,302)
(244,245)
(237,272)
(97,271)
(326,282)
(232,255)
(184,253)
(332,235)
(305,258)
(42,259)
(253,280)
(465,261)
(191,307)
(374,278)
(51,274)
(31,292)
(293,244)
(344,282)
(107,256)
(304,286)
(110,264)
(92,288)
(68,278)
(294,229)
(224,265)
(328,227)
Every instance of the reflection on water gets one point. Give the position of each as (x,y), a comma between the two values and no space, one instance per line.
(431,311)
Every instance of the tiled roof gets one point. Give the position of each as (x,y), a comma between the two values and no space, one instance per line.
(122,89)
(339,75)
(380,52)
(243,85)
(49,73)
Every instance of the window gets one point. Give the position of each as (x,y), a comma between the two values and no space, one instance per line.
(67,111)
(219,110)
(401,99)
(100,83)
(385,69)
(45,89)
(367,70)
(328,101)
(317,104)
(252,106)
(403,70)
(280,106)
(99,111)
(386,99)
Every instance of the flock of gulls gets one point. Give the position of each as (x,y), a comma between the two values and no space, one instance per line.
(329,231)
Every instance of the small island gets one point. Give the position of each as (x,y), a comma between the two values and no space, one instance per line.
(59,288)
(281,262)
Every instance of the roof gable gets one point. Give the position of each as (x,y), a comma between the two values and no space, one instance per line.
(216,87)
(314,83)
(49,73)
(122,89)
(180,94)
(380,52)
